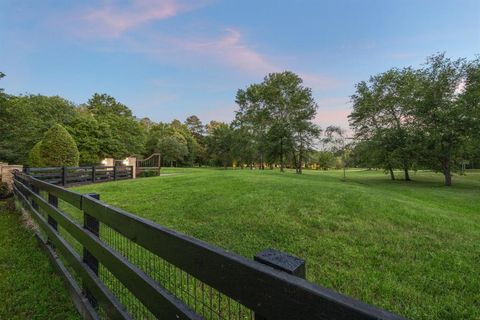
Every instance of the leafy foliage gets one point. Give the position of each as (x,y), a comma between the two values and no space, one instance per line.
(35,157)
(419,118)
(25,119)
(277,114)
(123,134)
(58,148)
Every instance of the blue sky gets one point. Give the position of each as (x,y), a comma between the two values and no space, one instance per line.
(169,59)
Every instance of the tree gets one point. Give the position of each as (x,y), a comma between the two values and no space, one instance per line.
(195,126)
(58,148)
(170,140)
(172,148)
(2,94)
(126,136)
(291,106)
(443,119)
(382,113)
(219,144)
(253,117)
(25,119)
(325,160)
(35,156)
(92,138)
(277,113)
(336,139)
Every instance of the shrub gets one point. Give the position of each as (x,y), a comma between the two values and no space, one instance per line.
(148,173)
(35,157)
(5,192)
(58,148)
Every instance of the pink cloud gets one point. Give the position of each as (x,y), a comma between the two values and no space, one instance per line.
(230,49)
(112,19)
(122,24)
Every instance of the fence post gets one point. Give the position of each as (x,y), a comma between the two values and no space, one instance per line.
(93,174)
(35,190)
(53,200)
(91,224)
(283,262)
(64,176)
(114,172)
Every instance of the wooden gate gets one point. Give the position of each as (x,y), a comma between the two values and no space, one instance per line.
(150,164)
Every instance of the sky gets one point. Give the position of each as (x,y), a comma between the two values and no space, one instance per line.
(168,59)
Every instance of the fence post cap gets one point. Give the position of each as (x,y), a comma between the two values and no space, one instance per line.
(93,195)
(282,261)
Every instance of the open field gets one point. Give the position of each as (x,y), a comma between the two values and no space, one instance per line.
(29,288)
(409,247)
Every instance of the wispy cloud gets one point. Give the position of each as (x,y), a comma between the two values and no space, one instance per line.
(130,27)
(112,18)
(230,49)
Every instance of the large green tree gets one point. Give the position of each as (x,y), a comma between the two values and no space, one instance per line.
(381,113)
(278,113)
(25,119)
(220,144)
(126,136)
(58,148)
(93,138)
(443,118)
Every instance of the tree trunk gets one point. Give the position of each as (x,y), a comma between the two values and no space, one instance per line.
(282,165)
(405,169)
(447,172)
(392,175)
(299,171)
(300,159)
(295,161)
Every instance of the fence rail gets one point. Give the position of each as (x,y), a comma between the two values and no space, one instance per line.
(131,268)
(69,176)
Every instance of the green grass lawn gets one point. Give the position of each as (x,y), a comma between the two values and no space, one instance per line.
(29,288)
(410,247)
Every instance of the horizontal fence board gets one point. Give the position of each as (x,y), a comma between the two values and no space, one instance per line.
(109,303)
(86,310)
(261,288)
(72,197)
(71,176)
(32,170)
(159,301)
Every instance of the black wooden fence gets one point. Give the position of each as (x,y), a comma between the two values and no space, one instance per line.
(69,176)
(120,266)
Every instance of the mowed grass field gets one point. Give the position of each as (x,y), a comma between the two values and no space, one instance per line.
(29,287)
(412,248)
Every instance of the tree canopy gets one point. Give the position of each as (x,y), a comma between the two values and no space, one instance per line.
(58,148)
(403,118)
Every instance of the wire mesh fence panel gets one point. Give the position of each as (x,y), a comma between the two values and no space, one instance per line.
(133,306)
(71,210)
(201,298)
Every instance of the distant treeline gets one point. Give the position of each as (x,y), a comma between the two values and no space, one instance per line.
(408,119)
